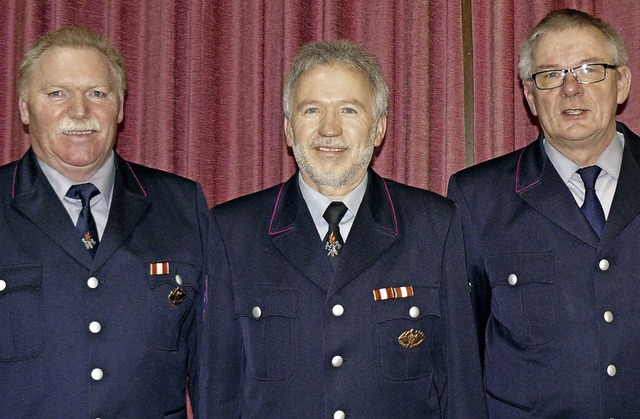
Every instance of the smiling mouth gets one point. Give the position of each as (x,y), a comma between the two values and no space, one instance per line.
(331,149)
(80,132)
(573,111)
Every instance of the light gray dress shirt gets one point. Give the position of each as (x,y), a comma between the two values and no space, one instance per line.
(318,203)
(100,204)
(610,161)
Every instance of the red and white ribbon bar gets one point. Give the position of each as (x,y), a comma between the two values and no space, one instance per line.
(392,292)
(161,268)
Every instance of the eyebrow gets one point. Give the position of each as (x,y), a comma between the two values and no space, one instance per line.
(590,60)
(352,102)
(47,84)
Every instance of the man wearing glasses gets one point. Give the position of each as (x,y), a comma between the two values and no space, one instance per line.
(552,234)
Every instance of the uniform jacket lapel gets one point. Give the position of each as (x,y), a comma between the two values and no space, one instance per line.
(34,197)
(626,201)
(293,232)
(128,205)
(374,230)
(539,185)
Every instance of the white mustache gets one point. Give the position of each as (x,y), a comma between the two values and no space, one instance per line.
(335,142)
(78,126)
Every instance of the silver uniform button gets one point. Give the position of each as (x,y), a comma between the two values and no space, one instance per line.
(611,370)
(337,361)
(608,316)
(256,312)
(337,310)
(414,312)
(92,282)
(339,414)
(513,279)
(97,374)
(3,285)
(95,327)
(603,265)
(178,280)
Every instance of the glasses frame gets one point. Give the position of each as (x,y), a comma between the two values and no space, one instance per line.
(572,71)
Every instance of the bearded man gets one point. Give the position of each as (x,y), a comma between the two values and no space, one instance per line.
(338,293)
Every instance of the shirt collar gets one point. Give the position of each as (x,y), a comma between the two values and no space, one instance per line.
(610,160)
(102,179)
(318,203)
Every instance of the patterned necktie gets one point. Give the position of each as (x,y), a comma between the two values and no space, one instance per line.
(591,207)
(333,240)
(86,225)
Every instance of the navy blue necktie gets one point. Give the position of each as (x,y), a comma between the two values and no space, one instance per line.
(591,207)
(333,240)
(86,225)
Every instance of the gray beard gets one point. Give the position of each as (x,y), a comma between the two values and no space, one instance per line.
(339,179)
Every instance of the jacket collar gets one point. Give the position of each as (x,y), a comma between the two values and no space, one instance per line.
(293,233)
(538,183)
(34,197)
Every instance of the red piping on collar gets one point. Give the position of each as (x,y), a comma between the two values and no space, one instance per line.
(518,189)
(273,215)
(393,209)
(136,178)
(13,184)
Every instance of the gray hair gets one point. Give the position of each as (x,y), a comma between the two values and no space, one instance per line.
(559,20)
(73,37)
(343,53)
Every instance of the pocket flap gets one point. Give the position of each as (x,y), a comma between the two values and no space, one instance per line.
(159,273)
(425,302)
(515,269)
(20,277)
(262,301)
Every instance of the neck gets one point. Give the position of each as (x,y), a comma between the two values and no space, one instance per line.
(583,153)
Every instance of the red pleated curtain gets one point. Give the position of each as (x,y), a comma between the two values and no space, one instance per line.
(206,77)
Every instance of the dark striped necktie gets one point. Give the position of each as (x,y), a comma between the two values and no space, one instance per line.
(86,225)
(591,208)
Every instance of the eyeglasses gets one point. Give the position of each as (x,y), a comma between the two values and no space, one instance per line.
(584,74)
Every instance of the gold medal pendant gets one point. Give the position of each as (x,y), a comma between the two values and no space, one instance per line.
(176,296)
(411,338)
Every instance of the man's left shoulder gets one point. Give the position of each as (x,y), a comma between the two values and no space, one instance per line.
(155,182)
(154,175)
(413,195)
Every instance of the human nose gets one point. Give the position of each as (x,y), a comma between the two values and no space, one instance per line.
(330,125)
(78,106)
(571,87)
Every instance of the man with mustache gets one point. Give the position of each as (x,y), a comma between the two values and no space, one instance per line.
(552,233)
(338,293)
(101,259)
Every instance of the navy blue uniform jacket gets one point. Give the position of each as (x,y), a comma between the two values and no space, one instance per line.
(559,310)
(277,315)
(50,296)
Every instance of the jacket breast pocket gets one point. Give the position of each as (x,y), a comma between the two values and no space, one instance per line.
(267,315)
(523,295)
(407,331)
(21,316)
(173,287)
